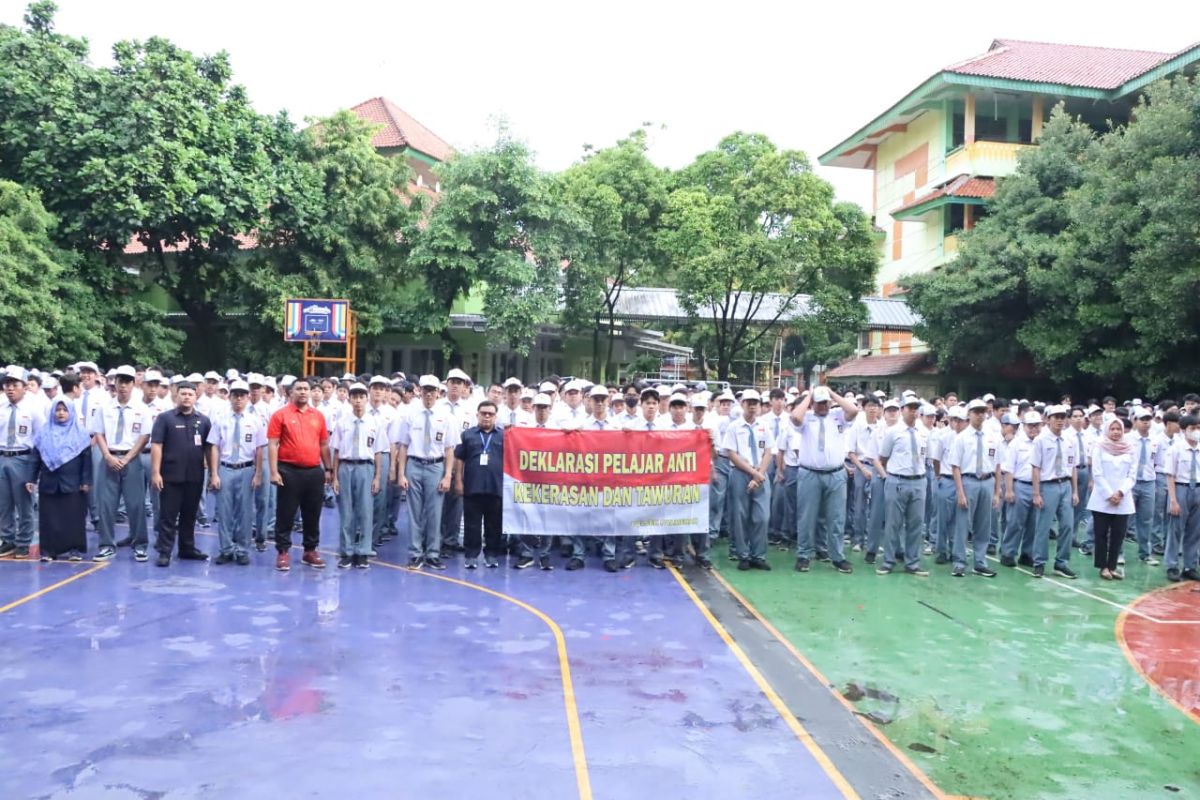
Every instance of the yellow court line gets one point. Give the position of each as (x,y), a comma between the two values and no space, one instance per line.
(30,597)
(899,754)
(772,696)
(1132,659)
(582,779)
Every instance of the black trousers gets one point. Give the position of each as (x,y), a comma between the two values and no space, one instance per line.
(303,488)
(482,511)
(177,505)
(1110,536)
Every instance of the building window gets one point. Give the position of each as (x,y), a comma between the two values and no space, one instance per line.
(953,216)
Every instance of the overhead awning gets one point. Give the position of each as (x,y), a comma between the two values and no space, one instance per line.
(965,189)
(884,366)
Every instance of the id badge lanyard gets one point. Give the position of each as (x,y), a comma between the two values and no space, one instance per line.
(487,442)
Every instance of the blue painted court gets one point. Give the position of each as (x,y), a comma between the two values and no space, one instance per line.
(126,680)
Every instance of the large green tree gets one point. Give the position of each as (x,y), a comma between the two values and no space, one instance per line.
(755,240)
(619,197)
(499,230)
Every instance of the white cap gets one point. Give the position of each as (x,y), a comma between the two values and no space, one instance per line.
(50,383)
(1093,409)
(910,400)
(269,382)
(678,388)
(231,374)
(681,399)
(111,373)
(152,376)
(988,397)
(700,400)
(957,412)
(254,379)
(82,365)
(977,403)
(891,403)
(1032,418)
(125,371)
(513,382)
(177,379)
(349,376)
(212,375)
(287,380)
(599,390)
(195,377)
(548,386)
(726,395)
(751,394)
(379,379)
(358,387)
(459,374)
(820,394)
(793,390)
(1137,401)
(928,410)
(541,399)
(1056,410)
(238,385)
(14,373)
(1143,413)
(527,393)
(429,382)
(573,386)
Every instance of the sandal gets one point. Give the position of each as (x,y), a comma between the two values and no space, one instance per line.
(1106,574)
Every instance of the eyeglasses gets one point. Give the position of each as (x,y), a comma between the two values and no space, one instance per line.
(487,413)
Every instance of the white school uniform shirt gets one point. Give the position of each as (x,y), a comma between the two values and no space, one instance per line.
(27,422)
(964,451)
(866,440)
(567,418)
(1153,445)
(940,442)
(896,447)
(253,435)
(88,405)
(443,429)
(738,436)
(1045,454)
(686,425)
(1165,443)
(372,435)
(806,437)
(137,424)
(1111,473)
(992,425)
(593,424)
(1179,462)
(639,423)
(790,444)
(462,411)
(1018,457)
(386,417)
(513,417)
(780,424)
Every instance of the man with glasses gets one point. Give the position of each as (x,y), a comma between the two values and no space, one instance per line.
(479,481)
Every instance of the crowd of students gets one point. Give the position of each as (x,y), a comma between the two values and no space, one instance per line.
(900,480)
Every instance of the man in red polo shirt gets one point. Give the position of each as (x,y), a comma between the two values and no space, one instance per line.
(298,449)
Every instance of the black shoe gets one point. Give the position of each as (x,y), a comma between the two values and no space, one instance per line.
(469,563)
(139,554)
(1007,561)
(1159,550)
(126,542)
(920,572)
(1039,571)
(163,560)
(991,549)
(744,565)
(577,563)
(984,572)
(490,562)
(103,554)
(223,558)
(122,519)
(869,558)
(942,559)
(7,549)
(1085,550)
(1065,572)
(704,563)
(1173,575)
(883,569)
(959,572)
(21,553)
(843,567)
(802,565)
(243,559)
(415,563)
(822,556)
(565,550)
(544,564)
(435,563)
(260,545)
(760,563)
(610,564)
(1053,534)
(524,562)
(1191,575)
(629,562)
(344,562)
(1025,561)
(657,562)
(193,555)
(360,562)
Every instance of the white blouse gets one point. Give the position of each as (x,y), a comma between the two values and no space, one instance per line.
(1112,474)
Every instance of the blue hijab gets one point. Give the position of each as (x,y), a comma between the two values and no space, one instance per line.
(59,442)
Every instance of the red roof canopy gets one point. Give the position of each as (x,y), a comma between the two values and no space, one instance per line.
(1069,64)
(400,129)
(965,186)
(883,366)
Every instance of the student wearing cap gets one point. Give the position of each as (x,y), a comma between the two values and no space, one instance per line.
(458,405)
(864,450)
(877,515)
(750,449)
(570,413)
(1114,468)
(672,547)
(1016,548)
(479,480)
(300,466)
(619,552)
(902,454)
(1182,550)
(946,500)
(359,444)
(387,421)
(975,458)
(823,443)
(778,420)
(238,438)
(178,455)
(121,431)
(423,463)
(511,414)
(717,424)
(21,421)
(927,417)
(600,420)
(1055,492)
(1147,452)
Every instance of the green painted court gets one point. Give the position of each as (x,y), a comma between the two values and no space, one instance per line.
(1007,688)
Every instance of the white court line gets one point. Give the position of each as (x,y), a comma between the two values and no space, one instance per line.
(1105,600)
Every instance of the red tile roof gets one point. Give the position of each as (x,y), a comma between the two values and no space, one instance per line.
(968,186)
(1069,64)
(400,129)
(883,366)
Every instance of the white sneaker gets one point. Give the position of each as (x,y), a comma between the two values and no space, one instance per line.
(1149,562)
(1121,558)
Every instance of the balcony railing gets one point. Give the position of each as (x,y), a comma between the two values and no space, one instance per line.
(994,159)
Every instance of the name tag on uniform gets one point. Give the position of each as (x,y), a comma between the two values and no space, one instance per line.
(483,459)
(370,441)
(22,430)
(437,437)
(991,452)
(921,452)
(1070,460)
(137,427)
(762,444)
(248,438)
(196,440)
